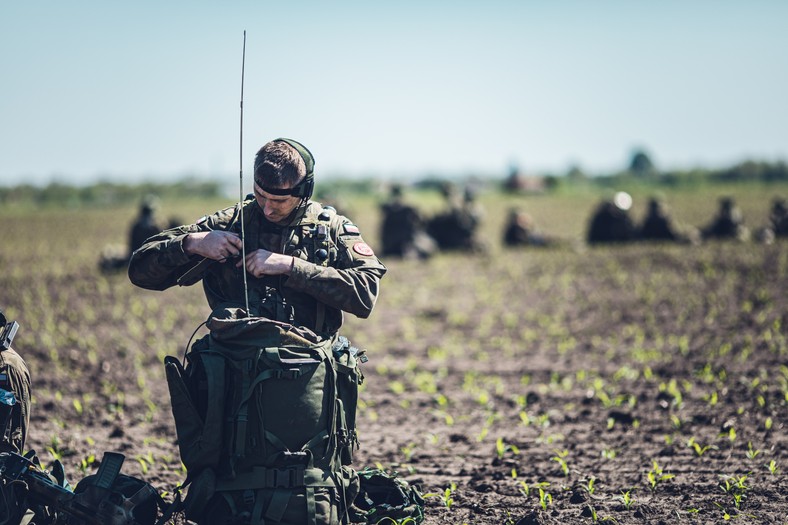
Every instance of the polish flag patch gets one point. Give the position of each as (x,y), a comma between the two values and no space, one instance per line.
(351,228)
(363,248)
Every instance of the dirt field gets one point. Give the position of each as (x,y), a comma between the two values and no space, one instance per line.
(635,384)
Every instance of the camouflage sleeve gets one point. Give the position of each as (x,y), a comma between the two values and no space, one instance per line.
(161,262)
(352,283)
(17,379)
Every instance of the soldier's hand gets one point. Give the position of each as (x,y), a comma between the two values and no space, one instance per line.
(263,262)
(217,245)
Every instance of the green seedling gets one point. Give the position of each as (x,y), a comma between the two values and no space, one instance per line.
(408,450)
(86,463)
(559,458)
(656,476)
(590,485)
(54,449)
(525,489)
(545,498)
(698,448)
(737,488)
(627,499)
(501,448)
(446,497)
(773,468)
(609,453)
(751,452)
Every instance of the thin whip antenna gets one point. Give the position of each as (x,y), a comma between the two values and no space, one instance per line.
(241,173)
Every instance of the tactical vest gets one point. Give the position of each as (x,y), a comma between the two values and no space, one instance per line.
(310,239)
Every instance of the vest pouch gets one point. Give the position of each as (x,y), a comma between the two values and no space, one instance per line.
(199,430)
(349,378)
(293,409)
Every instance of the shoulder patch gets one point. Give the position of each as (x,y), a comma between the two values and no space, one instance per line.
(363,248)
(351,228)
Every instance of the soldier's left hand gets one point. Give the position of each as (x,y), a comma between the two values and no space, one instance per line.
(263,262)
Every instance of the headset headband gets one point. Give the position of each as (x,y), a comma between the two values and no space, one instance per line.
(305,186)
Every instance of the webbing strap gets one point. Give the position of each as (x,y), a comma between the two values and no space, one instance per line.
(242,418)
(276,508)
(257,511)
(269,478)
(271,373)
(230,504)
(311,508)
(315,441)
(275,441)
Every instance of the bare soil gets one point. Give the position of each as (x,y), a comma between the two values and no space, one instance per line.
(657,371)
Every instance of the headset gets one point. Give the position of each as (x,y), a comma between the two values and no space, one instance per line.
(305,187)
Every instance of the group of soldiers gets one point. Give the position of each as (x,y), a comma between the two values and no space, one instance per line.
(612,223)
(406,233)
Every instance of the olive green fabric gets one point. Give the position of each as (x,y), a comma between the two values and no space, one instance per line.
(385,497)
(258,407)
(315,293)
(15,377)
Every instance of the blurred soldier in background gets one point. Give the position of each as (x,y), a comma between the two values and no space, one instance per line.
(778,218)
(455,229)
(14,391)
(146,225)
(658,225)
(778,223)
(520,231)
(611,222)
(728,224)
(402,230)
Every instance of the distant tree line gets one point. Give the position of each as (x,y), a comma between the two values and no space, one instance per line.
(643,170)
(105,193)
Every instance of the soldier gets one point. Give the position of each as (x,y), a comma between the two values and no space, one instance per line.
(657,225)
(305,266)
(14,392)
(778,218)
(295,280)
(455,229)
(146,224)
(519,231)
(611,222)
(402,230)
(116,257)
(728,224)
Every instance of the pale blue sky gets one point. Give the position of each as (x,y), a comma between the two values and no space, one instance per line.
(149,90)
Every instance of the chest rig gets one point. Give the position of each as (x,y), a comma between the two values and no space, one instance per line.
(310,239)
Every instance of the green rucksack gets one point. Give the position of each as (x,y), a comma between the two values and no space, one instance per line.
(265,417)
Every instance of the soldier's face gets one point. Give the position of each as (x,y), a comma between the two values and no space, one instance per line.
(276,208)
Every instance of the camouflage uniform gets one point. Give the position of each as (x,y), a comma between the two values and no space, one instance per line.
(14,377)
(334,269)
(658,225)
(610,224)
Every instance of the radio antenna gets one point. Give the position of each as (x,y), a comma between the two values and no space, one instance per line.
(241,173)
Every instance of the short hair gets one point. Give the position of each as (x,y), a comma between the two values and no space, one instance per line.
(278,165)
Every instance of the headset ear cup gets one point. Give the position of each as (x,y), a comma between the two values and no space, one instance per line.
(306,187)
(302,150)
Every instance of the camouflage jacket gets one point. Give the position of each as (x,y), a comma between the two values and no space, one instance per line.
(334,269)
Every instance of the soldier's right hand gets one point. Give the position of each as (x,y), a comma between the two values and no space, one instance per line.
(216,244)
